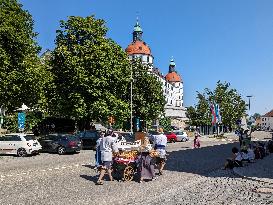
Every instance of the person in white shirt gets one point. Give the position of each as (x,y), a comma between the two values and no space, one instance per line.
(160,143)
(235,160)
(107,147)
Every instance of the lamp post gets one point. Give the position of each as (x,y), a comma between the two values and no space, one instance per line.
(2,114)
(131,123)
(249,97)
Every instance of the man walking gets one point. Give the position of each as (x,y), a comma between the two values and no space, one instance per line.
(107,146)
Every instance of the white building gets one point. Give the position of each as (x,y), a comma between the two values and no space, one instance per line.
(267,121)
(172,84)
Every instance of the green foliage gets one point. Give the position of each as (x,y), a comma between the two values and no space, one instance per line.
(165,123)
(90,72)
(11,122)
(148,98)
(232,106)
(256,116)
(21,74)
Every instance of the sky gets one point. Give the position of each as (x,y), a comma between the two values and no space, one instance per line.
(210,40)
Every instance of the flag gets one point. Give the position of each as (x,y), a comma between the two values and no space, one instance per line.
(217,113)
(213,115)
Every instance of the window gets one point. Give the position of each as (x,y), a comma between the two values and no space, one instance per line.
(29,137)
(171,102)
(12,138)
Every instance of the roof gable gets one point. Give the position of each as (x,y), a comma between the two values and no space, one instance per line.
(269,114)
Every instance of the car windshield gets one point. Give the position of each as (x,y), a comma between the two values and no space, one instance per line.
(69,137)
(179,133)
(29,137)
(91,134)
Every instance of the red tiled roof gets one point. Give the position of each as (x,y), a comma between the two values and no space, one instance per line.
(269,114)
(138,47)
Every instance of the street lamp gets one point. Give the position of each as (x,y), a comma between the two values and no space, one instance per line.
(131,79)
(249,96)
(2,114)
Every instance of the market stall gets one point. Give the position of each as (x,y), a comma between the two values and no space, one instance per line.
(125,161)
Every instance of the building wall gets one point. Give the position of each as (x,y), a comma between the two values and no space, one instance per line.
(173,92)
(267,123)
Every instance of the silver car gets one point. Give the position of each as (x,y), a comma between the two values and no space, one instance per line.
(181,135)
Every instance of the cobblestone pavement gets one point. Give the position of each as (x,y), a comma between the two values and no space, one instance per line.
(191,177)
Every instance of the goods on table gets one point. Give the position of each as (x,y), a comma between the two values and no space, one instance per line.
(153,153)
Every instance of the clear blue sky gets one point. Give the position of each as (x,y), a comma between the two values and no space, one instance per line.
(211,40)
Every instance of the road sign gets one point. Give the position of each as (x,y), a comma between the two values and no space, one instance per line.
(21,120)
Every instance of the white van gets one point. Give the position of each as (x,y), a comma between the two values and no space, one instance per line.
(19,144)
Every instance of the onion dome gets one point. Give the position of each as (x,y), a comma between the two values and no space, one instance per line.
(138,47)
(173,76)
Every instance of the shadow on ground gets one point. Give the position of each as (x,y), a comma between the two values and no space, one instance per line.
(93,179)
(202,161)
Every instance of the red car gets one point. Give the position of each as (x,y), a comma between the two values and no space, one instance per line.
(171,137)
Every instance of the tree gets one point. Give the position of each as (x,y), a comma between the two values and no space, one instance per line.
(165,123)
(232,106)
(256,116)
(90,72)
(22,76)
(148,98)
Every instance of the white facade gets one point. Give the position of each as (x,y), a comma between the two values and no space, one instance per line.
(173,88)
(267,123)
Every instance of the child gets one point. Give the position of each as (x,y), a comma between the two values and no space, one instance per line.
(196,141)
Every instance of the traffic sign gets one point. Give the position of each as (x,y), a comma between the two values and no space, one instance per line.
(21,120)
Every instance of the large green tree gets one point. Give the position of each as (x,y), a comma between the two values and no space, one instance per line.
(232,106)
(148,98)
(21,74)
(90,72)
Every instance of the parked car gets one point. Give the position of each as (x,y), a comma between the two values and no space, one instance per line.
(181,135)
(19,144)
(89,139)
(60,143)
(171,137)
(128,136)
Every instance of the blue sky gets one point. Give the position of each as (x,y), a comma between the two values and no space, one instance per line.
(210,40)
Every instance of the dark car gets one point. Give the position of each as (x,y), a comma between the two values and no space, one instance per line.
(60,143)
(89,139)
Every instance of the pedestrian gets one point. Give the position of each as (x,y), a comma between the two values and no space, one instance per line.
(235,160)
(107,147)
(160,143)
(98,151)
(145,162)
(196,141)
(240,134)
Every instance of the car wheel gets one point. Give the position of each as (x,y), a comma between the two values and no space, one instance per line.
(184,139)
(21,152)
(173,140)
(61,150)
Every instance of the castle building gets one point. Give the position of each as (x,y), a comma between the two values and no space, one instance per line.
(172,84)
